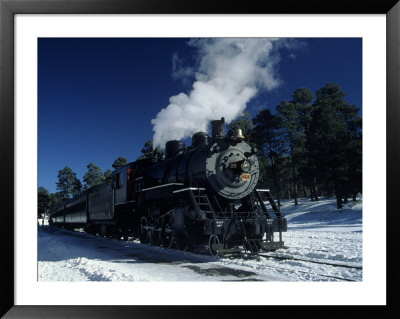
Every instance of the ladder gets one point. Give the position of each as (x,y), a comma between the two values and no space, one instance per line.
(275,208)
(201,201)
(270,200)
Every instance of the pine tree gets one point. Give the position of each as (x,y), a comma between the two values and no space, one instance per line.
(302,99)
(335,142)
(94,176)
(77,187)
(108,176)
(294,139)
(55,200)
(354,156)
(269,142)
(149,152)
(43,201)
(120,162)
(68,184)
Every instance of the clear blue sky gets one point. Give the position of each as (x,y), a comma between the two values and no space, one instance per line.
(97,97)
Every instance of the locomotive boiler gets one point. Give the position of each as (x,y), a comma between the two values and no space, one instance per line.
(203,195)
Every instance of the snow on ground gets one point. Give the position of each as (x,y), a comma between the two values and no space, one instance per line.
(323,244)
(326,237)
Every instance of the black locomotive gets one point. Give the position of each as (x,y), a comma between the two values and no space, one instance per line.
(199,196)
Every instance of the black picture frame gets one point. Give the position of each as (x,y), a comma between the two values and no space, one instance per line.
(8,8)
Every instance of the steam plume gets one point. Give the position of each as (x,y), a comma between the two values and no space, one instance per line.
(230,72)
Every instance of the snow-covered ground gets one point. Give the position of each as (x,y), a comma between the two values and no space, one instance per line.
(323,244)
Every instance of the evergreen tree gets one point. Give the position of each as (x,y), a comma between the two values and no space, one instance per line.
(43,201)
(302,99)
(285,177)
(68,184)
(94,176)
(77,187)
(149,152)
(120,162)
(293,137)
(296,117)
(335,142)
(270,145)
(108,176)
(354,156)
(55,199)
(264,180)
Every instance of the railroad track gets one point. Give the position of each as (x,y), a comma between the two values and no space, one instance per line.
(310,261)
(306,272)
(275,267)
(314,249)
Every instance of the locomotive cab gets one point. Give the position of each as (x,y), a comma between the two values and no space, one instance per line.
(127,181)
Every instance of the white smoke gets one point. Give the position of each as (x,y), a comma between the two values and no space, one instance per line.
(229,74)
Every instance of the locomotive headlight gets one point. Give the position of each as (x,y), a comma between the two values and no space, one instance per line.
(245,166)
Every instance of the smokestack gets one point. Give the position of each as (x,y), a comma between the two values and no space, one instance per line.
(218,128)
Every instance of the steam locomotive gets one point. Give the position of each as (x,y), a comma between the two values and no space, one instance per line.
(203,195)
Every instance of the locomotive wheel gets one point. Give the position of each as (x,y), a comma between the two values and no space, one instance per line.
(125,235)
(153,237)
(212,251)
(143,232)
(156,233)
(167,232)
(167,238)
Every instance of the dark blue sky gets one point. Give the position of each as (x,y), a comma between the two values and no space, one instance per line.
(97,96)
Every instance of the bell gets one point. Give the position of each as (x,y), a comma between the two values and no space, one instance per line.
(238,135)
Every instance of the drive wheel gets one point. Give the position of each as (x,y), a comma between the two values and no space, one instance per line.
(167,238)
(153,237)
(211,250)
(167,233)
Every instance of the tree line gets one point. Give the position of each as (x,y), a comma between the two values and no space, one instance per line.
(69,185)
(311,146)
